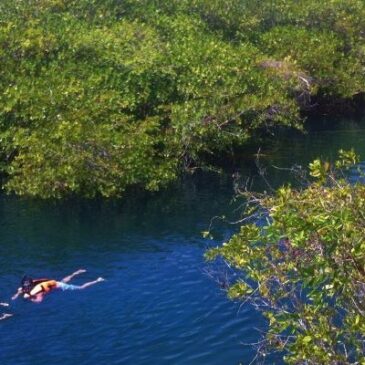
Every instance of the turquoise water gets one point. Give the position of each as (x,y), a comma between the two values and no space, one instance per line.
(158,305)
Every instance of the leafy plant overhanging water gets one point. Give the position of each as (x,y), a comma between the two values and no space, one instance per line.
(97,96)
(304,266)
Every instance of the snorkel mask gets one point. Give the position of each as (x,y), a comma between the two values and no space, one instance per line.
(27,284)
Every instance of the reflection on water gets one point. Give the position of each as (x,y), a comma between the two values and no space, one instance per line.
(157,306)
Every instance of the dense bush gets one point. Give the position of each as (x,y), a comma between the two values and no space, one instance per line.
(303,266)
(97,96)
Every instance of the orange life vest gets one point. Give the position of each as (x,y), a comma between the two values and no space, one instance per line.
(43,286)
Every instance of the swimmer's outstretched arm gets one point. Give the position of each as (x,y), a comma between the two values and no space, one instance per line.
(68,278)
(19,291)
(5,315)
(5,304)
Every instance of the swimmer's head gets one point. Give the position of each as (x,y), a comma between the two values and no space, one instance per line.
(27,284)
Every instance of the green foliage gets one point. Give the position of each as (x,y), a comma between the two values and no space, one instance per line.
(101,158)
(304,267)
(157,85)
(321,54)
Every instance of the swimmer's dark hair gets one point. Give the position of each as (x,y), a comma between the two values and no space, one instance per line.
(27,284)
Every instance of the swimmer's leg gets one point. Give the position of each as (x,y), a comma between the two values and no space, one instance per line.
(98,280)
(5,304)
(64,286)
(68,278)
(5,315)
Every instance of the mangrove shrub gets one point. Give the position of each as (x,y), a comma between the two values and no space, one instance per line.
(302,264)
(97,96)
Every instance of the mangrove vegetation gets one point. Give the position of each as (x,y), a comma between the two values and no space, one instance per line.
(302,264)
(101,95)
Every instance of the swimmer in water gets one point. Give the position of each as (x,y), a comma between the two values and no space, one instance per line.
(5,315)
(36,289)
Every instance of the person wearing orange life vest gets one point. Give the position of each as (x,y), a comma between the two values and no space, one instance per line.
(36,289)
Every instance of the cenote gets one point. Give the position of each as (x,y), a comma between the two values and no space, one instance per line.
(157,306)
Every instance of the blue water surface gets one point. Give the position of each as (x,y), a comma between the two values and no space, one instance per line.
(157,305)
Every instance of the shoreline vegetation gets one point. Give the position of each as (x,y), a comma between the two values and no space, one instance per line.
(300,262)
(100,96)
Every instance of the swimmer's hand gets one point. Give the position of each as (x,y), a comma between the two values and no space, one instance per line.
(19,291)
(5,315)
(98,280)
(80,271)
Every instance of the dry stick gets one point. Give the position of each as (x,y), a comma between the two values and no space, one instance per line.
(261,171)
(297,171)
